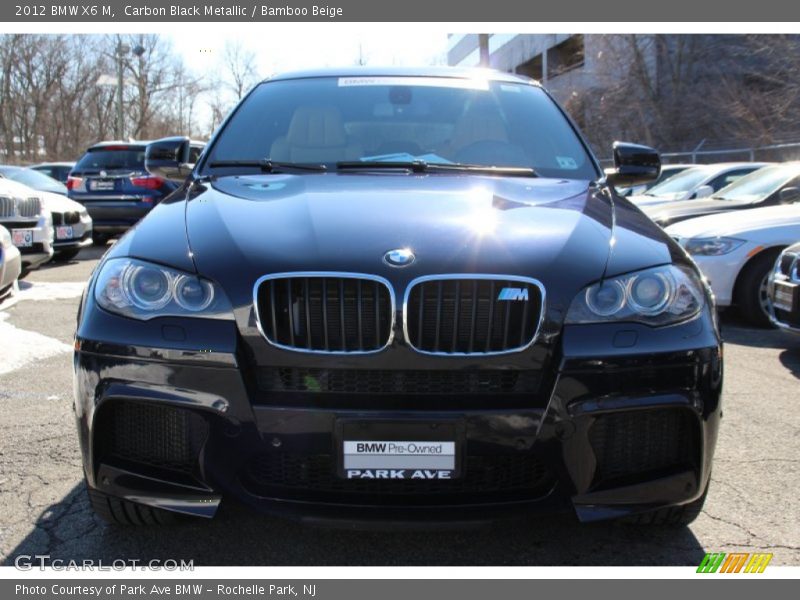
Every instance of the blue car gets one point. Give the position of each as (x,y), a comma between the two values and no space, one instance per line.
(111,182)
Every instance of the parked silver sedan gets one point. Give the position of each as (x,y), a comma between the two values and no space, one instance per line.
(10,263)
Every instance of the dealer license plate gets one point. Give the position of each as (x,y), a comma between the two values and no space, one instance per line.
(22,238)
(384,450)
(64,232)
(784,296)
(99,185)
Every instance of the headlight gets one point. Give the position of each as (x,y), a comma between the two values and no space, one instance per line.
(712,246)
(141,290)
(658,296)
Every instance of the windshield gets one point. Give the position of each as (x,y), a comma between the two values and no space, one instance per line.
(33,179)
(677,185)
(758,184)
(127,158)
(330,120)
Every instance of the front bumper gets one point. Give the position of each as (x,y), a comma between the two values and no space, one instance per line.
(81,235)
(626,422)
(115,213)
(41,249)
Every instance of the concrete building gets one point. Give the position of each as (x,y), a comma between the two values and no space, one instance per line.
(562,62)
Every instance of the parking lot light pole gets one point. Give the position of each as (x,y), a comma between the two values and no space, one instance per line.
(122,51)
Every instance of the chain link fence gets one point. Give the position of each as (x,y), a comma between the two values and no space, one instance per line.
(782,152)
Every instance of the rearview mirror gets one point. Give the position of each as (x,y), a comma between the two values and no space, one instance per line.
(704,191)
(790,195)
(172,158)
(634,165)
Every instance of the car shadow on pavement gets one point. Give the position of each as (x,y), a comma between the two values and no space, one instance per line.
(735,330)
(790,359)
(69,531)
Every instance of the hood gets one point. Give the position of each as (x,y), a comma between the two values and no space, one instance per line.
(643,200)
(688,208)
(58,203)
(16,188)
(558,231)
(739,223)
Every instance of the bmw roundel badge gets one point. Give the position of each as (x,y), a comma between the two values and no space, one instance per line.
(402,257)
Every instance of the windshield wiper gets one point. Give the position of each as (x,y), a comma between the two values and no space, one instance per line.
(268,165)
(420,166)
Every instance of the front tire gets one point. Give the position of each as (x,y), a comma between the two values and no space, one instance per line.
(116,511)
(751,289)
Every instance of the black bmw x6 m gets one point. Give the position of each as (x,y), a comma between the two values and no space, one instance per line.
(398,295)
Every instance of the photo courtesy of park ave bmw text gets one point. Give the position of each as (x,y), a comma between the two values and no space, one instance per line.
(400,286)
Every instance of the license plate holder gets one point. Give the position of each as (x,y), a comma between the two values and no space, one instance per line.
(64,232)
(22,238)
(399,449)
(785,296)
(101,185)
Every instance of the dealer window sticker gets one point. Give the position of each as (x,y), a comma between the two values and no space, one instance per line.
(566,162)
(445,82)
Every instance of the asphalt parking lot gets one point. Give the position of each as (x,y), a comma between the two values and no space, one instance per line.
(752,505)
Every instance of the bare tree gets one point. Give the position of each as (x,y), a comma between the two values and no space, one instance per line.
(51,105)
(676,91)
(240,65)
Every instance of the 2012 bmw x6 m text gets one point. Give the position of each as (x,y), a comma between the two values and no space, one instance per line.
(398,295)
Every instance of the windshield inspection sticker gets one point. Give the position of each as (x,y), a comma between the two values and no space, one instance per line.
(445,82)
(566,162)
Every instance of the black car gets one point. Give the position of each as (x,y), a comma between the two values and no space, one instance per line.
(768,186)
(783,290)
(404,295)
(111,182)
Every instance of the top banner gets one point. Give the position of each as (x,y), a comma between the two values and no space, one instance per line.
(143,11)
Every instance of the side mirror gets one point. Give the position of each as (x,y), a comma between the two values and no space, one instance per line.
(704,191)
(171,158)
(634,165)
(790,195)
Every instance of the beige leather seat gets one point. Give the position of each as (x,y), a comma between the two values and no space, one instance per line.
(477,124)
(316,135)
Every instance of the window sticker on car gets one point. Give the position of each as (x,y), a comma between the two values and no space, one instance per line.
(446,82)
(566,162)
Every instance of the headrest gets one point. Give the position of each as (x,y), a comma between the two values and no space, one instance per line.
(316,126)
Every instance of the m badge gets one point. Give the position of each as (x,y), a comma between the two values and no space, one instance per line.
(513,294)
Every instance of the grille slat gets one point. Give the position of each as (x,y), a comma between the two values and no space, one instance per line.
(19,207)
(466,315)
(386,381)
(325,313)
